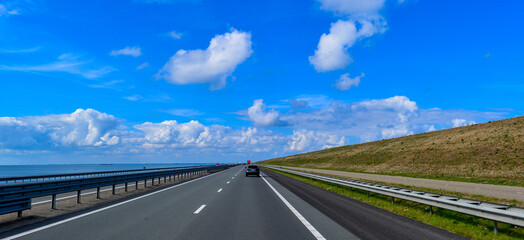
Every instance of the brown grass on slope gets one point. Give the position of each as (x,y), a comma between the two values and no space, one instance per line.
(487,151)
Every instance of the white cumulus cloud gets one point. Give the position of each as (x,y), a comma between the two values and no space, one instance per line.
(303,139)
(331,53)
(190,133)
(344,83)
(457,122)
(263,117)
(359,19)
(212,65)
(81,128)
(128,51)
(397,131)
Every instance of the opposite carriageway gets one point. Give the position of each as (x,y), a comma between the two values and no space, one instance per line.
(16,197)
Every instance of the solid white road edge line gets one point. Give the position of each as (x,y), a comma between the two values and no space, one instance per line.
(308,225)
(100,210)
(199,209)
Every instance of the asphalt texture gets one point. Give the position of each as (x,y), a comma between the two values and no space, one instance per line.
(363,220)
(244,208)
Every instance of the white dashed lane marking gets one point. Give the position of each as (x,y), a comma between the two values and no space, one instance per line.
(199,209)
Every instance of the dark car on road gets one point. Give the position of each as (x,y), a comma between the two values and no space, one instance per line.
(252,170)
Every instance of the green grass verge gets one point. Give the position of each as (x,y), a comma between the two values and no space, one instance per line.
(462,224)
(512,202)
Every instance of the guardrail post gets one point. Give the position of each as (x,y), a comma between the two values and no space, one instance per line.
(136,185)
(98,192)
(78,196)
(53,201)
(495,228)
(158,180)
(164,179)
(125,187)
(145,182)
(114,189)
(19,214)
(430,210)
(368,193)
(170,178)
(392,200)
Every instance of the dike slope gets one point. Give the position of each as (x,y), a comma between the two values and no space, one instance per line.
(490,152)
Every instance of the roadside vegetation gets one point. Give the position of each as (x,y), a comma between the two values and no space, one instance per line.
(483,198)
(459,223)
(490,153)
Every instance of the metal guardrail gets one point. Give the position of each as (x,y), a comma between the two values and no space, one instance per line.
(492,211)
(16,197)
(32,178)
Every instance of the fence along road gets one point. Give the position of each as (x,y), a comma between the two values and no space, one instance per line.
(16,197)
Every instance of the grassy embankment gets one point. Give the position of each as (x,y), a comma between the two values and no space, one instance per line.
(490,152)
(462,224)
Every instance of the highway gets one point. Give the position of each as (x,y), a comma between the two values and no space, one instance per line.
(223,205)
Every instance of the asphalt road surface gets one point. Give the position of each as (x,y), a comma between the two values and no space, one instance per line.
(224,205)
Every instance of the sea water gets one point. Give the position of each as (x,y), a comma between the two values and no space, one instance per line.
(30,170)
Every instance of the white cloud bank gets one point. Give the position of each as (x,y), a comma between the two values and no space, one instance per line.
(128,51)
(95,135)
(80,128)
(212,65)
(366,120)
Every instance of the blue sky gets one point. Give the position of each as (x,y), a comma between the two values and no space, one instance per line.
(226,81)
